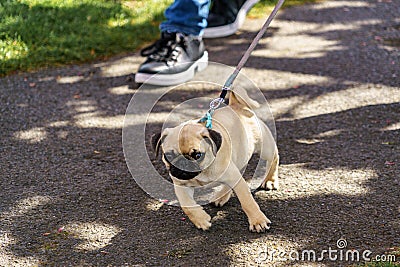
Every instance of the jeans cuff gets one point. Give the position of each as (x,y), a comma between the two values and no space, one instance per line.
(164,27)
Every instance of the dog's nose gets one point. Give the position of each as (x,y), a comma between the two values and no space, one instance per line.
(185,164)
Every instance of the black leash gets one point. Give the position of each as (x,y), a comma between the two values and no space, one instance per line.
(228,84)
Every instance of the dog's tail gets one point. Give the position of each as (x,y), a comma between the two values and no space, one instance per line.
(239,97)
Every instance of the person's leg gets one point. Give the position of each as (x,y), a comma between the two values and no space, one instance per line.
(186,16)
(180,51)
(226,17)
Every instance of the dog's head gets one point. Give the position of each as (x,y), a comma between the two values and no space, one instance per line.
(187,149)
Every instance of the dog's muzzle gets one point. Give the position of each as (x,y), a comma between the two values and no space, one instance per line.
(182,167)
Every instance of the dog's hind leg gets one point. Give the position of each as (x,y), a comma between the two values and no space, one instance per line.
(271,180)
(222,195)
(269,152)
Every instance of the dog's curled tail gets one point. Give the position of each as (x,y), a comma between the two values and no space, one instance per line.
(239,97)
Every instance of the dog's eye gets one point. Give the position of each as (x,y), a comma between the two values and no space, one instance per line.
(196,155)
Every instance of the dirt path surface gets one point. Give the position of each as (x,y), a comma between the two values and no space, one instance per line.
(331,74)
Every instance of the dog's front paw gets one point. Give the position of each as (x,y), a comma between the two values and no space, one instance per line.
(202,220)
(199,217)
(259,223)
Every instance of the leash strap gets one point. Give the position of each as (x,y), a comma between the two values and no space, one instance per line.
(245,57)
(228,83)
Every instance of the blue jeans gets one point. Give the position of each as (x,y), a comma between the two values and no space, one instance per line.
(186,16)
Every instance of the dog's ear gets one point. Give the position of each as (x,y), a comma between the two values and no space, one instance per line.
(216,137)
(156,140)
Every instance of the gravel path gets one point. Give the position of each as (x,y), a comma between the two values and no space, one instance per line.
(331,74)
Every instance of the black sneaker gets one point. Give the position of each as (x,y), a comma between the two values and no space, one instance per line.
(226,17)
(174,58)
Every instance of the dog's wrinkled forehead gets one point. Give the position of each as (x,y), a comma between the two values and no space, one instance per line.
(184,138)
(191,137)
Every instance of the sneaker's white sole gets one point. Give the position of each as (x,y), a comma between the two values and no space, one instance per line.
(172,79)
(226,30)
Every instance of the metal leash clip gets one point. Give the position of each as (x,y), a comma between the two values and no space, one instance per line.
(214,104)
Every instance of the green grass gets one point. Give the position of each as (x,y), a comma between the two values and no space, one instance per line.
(42,33)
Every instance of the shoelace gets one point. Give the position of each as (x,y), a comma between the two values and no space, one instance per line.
(163,50)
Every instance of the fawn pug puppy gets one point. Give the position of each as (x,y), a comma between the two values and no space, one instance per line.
(197,156)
